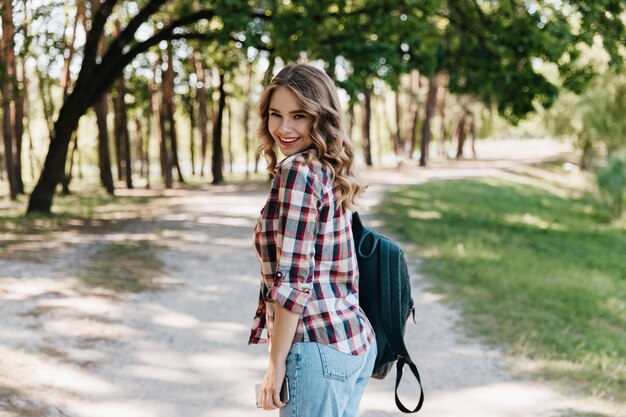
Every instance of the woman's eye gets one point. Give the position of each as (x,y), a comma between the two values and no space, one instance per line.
(273,114)
(299,116)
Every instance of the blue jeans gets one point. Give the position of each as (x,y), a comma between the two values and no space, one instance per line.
(324,382)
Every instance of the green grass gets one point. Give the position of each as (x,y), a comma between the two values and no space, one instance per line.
(129,266)
(541,275)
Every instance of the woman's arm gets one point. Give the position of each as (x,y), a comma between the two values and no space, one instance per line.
(285,324)
(298,202)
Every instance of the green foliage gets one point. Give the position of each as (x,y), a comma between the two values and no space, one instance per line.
(489,49)
(542,275)
(612,182)
(595,120)
(603,110)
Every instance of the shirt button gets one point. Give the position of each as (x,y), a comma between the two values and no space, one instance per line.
(279,274)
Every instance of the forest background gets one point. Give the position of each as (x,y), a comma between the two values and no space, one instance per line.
(158,92)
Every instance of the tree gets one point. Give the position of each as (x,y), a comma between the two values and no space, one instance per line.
(96,76)
(203,119)
(594,120)
(11,112)
(431,104)
(366,122)
(486,49)
(217,162)
(168,108)
(104,157)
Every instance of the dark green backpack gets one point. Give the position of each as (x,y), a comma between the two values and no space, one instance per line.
(385,297)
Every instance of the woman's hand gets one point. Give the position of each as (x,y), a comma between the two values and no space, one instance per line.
(272,383)
(285,324)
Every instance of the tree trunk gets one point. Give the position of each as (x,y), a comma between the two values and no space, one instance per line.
(8,147)
(54,165)
(166,161)
(32,160)
(415,85)
(231,159)
(472,132)
(350,126)
(366,126)
(267,78)
(246,118)
(460,134)
(202,110)
(168,105)
(159,114)
(9,92)
(192,138)
(2,167)
(145,165)
(587,155)
(414,129)
(67,177)
(397,137)
(125,141)
(139,144)
(104,156)
(441,100)
(216,162)
(19,133)
(117,137)
(431,105)
(381,131)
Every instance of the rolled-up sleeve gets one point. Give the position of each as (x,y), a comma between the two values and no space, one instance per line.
(298,208)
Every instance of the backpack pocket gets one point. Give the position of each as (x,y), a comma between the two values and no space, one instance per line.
(338,365)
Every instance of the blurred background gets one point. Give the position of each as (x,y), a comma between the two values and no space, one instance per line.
(496,131)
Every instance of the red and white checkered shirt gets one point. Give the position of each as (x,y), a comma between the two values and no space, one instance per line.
(308,261)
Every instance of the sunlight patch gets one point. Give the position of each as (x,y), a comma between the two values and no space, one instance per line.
(424,214)
(532,220)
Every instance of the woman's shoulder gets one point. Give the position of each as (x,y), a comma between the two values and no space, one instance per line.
(305,161)
(304,166)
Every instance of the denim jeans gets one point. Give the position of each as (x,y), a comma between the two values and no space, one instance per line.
(324,382)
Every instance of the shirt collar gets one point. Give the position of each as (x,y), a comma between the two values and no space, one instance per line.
(289,159)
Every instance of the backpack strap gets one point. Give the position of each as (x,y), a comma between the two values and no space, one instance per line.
(399,365)
(393,320)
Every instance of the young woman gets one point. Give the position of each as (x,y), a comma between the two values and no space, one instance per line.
(308,310)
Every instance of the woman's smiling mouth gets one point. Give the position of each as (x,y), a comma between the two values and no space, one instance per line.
(288,140)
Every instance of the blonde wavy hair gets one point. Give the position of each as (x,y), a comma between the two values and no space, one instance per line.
(318,97)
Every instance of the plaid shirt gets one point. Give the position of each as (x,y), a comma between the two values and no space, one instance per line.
(308,261)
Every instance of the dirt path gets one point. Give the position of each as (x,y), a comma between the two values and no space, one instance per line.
(182,351)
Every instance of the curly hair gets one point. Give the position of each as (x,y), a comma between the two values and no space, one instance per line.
(318,97)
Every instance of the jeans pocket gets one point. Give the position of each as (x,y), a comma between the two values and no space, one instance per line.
(338,365)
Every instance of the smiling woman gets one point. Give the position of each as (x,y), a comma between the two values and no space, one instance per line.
(308,311)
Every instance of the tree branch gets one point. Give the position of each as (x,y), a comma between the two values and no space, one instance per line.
(93,37)
(115,61)
(128,34)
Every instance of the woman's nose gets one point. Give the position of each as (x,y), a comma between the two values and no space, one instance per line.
(285,125)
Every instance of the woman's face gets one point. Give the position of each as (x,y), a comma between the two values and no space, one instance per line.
(288,123)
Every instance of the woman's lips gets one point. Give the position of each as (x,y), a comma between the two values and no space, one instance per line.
(288,141)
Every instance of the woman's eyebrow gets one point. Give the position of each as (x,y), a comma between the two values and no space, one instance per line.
(291,112)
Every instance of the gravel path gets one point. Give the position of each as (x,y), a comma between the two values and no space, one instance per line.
(182,351)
